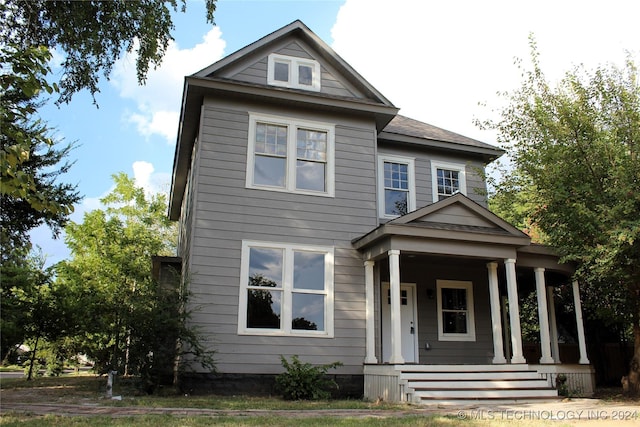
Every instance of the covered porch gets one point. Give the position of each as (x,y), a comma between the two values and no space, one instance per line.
(443,318)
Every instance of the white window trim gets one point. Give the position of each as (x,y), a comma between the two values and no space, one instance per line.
(290,172)
(293,62)
(287,290)
(411,200)
(471,323)
(460,167)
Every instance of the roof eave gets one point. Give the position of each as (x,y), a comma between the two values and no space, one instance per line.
(388,230)
(488,153)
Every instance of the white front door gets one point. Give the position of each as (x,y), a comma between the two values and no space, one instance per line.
(408,322)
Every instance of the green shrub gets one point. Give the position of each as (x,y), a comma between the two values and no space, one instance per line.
(303,381)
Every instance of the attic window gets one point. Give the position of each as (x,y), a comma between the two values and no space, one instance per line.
(293,72)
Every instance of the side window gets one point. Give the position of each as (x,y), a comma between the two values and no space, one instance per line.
(293,72)
(448,179)
(290,155)
(286,290)
(396,186)
(456,320)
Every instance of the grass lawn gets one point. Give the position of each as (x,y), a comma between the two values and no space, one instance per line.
(88,391)
(170,421)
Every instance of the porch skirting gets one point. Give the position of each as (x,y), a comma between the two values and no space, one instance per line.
(580,379)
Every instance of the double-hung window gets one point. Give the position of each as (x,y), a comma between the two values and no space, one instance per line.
(293,72)
(290,155)
(455,311)
(286,290)
(396,186)
(448,179)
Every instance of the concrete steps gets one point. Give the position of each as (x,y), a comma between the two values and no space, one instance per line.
(472,384)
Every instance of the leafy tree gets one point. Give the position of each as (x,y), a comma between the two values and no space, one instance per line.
(91,35)
(31,306)
(574,149)
(110,274)
(30,161)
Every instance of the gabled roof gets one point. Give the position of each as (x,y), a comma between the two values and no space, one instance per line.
(300,30)
(454,218)
(406,130)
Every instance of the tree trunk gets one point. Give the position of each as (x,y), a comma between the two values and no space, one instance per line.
(116,348)
(33,358)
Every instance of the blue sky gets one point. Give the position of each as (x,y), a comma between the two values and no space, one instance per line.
(435,60)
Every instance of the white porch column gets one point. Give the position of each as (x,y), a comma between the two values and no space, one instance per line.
(514,312)
(496,320)
(553,326)
(370,356)
(396,331)
(543,316)
(578,307)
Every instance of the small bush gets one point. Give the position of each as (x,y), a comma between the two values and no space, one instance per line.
(303,381)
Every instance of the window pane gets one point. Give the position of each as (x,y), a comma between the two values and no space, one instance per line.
(454,299)
(311,145)
(269,171)
(454,322)
(263,308)
(395,202)
(308,312)
(308,270)
(265,267)
(310,176)
(305,75)
(281,71)
(271,139)
(396,175)
(448,182)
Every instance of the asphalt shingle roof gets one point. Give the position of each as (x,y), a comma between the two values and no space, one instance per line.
(401,125)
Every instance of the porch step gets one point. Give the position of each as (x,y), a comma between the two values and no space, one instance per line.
(466,384)
(479,385)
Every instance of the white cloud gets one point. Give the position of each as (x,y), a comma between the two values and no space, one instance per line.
(158,101)
(152,182)
(437,60)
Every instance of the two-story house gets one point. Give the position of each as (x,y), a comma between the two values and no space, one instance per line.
(316,221)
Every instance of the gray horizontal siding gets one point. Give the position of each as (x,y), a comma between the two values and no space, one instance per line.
(228,213)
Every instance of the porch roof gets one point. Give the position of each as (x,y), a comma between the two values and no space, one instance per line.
(456,226)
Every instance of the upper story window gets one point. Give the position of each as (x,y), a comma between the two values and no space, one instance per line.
(456,320)
(396,185)
(448,179)
(293,72)
(286,290)
(290,155)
